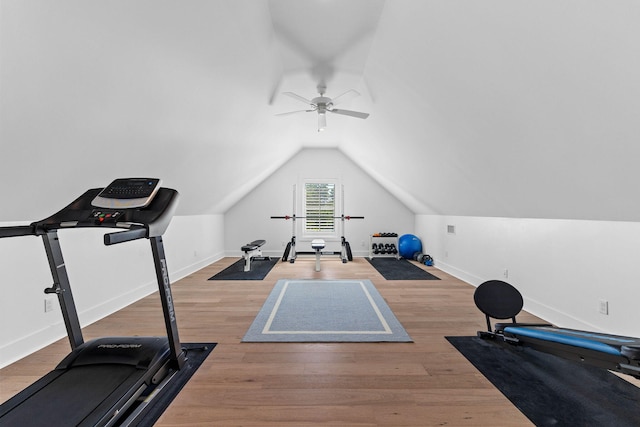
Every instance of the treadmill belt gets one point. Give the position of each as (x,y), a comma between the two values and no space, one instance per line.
(72,397)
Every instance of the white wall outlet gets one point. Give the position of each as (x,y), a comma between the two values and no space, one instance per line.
(603,307)
(505,273)
(49,304)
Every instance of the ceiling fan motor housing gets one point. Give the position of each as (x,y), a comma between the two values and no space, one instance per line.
(323,103)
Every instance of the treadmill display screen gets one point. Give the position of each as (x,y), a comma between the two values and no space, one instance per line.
(127,193)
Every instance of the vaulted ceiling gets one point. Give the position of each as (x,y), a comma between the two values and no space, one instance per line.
(483,108)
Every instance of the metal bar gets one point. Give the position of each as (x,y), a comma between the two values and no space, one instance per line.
(292,253)
(124,236)
(177,356)
(294,217)
(630,369)
(62,288)
(15,231)
(342,217)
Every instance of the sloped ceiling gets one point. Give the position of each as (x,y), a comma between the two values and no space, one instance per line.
(485,108)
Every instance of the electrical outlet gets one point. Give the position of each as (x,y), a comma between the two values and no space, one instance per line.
(505,273)
(49,304)
(603,307)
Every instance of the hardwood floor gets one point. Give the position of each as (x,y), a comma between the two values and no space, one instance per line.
(425,383)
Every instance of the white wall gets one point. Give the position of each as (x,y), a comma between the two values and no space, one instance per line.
(250,219)
(103,279)
(562,267)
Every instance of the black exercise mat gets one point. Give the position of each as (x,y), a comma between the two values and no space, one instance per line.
(259,269)
(196,354)
(552,391)
(400,269)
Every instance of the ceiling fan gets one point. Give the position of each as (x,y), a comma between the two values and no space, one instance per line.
(323,104)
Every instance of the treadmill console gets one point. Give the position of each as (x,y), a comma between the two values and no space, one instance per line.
(105,215)
(129,203)
(127,193)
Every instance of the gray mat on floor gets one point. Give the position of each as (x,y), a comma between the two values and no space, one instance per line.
(325,311)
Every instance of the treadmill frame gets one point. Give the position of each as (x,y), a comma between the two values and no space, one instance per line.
(138,224)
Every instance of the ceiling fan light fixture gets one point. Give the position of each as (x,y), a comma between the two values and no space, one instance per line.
(322,121)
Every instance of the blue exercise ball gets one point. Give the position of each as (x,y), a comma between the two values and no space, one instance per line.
(408,244)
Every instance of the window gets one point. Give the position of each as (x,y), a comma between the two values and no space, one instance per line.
(320,207)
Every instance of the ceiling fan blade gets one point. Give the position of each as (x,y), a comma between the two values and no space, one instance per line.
(294,112)
(298,97)
(275,90)
(350,113)
(347,96)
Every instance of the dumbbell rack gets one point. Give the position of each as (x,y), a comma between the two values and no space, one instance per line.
(378,240)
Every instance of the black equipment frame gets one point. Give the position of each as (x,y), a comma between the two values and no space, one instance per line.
(62,288)
(290,252)
(149,222)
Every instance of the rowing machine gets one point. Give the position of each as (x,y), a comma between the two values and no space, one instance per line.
(500,300)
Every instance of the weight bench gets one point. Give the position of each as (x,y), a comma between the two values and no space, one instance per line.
(252,250)
(317,245)
(499,300)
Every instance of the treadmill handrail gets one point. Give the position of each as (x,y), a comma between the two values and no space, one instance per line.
(125,236)
(17,231)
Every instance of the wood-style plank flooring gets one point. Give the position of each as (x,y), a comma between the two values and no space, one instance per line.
(425,383)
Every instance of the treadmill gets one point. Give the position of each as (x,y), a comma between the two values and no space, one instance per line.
(107,381)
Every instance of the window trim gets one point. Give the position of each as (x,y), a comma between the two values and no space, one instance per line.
(324,234)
